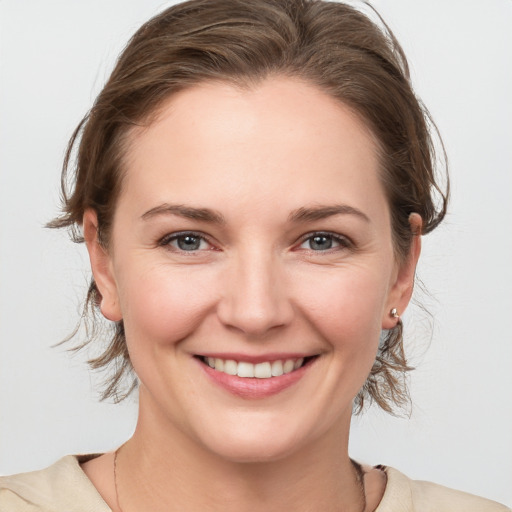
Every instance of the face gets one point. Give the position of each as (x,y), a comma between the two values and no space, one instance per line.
(251,261)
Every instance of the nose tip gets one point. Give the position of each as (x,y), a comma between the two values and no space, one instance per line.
(255,301)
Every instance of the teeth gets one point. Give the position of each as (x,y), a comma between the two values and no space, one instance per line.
(264,370)
(277,368)
(230,367)
(288,366)
(245,370)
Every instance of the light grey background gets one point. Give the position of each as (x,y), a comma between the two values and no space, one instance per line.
(55,56)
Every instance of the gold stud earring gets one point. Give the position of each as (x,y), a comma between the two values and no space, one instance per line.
(394,313)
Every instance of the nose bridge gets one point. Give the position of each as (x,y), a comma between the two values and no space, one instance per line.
(255,298)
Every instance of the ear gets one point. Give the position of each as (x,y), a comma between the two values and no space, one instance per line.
(101,265)
(402,288)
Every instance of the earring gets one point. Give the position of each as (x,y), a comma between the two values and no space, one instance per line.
(394,313)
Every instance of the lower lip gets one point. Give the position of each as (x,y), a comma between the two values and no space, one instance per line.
(254,388)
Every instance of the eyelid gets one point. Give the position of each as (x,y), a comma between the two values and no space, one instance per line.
(166,239)
(344,241)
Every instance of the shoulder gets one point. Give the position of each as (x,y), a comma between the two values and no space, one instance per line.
(405,495)
(62,486)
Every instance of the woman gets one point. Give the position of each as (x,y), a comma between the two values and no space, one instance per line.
(251,317)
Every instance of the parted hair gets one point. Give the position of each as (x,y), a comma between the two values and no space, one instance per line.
(348,53)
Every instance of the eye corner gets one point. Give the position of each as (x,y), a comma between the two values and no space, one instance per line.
(324,242)
(186,242)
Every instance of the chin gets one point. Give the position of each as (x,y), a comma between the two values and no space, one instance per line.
(254,452)
(256,443)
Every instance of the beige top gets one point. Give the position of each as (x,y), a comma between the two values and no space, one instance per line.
(64,487)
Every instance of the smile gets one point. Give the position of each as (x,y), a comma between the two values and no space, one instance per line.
(262,370)
(256,377)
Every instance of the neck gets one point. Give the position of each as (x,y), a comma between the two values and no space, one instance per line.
(161,468)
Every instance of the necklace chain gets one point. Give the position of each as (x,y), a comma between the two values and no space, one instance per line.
(357,467)
(115,480)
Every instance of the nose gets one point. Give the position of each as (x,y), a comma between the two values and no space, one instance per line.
(255,299)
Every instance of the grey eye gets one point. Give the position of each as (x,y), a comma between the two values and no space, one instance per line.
(188,242)
(320,242)
(323,242)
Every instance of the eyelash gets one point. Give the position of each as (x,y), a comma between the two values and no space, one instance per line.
(167,239)
(342,241)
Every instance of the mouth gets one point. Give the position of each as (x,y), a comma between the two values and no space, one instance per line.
(261,370)
(256,377)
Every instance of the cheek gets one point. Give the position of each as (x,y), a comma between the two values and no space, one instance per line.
(163,306)
(345,307)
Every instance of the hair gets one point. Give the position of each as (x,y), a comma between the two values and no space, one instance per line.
(330,45)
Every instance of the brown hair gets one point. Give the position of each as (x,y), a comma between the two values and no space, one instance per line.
(331,45)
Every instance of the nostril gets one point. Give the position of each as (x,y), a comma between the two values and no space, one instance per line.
(255,299)
(255,319)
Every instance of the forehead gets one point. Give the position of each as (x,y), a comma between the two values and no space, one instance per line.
(218,140)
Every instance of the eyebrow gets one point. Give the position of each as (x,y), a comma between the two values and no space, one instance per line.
(302,214)
(188,212)
(322,212)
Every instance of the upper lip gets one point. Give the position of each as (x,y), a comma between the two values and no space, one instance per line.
(255,359)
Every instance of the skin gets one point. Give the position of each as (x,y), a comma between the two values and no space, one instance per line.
(255,285)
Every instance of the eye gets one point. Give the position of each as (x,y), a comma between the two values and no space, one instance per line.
(323,242)
(186,242)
